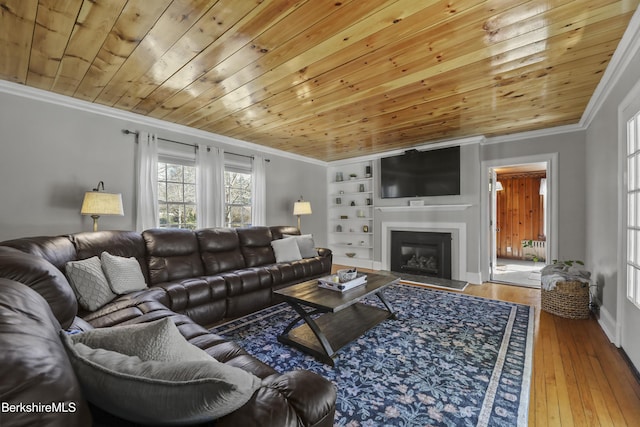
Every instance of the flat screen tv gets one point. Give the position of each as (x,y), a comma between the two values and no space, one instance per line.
(421,173)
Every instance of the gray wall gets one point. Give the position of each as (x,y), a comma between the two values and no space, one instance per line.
(602,181)
(287,180)
(571,183)
(50,155)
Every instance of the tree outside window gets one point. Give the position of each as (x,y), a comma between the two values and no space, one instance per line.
(237,189)
(177,195)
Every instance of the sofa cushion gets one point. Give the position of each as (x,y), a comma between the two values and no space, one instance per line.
(120,243)
(173,254)
(41,276)
(286,250)
(124,274)
(34,367)
(220,250)
(89,283)
(58,250)
(305,243)
(255,243)
(156,383)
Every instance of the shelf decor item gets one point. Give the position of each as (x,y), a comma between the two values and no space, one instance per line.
(339,177)
(338,201)
(365,228)
(361,188)
(367,171)
(353,176)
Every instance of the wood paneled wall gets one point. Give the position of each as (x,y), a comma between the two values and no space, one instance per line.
(520,213)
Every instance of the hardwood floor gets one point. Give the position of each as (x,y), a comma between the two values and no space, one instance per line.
(579,378)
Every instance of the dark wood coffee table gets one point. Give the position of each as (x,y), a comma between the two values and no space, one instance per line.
(343,318)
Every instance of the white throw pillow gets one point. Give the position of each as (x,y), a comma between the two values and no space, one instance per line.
(124,274)
(89,283)
(286,250)
(306,245)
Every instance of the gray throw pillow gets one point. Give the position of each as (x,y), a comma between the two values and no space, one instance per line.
(124,274)
(286,250)
(306,245)
(89,283)
(167,384)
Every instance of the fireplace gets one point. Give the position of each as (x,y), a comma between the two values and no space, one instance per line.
(421,253)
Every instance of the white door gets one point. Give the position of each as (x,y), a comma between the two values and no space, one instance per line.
(629,285)
(493,203)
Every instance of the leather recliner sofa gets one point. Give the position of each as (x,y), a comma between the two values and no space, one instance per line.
(195,278)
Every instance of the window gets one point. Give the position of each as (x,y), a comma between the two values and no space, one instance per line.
(633,210)
(176,195)
(237,195)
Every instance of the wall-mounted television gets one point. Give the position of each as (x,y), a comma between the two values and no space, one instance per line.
(421,173)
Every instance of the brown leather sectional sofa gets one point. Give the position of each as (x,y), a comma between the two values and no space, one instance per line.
(196,278)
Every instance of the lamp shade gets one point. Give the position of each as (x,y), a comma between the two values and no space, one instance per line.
(97,203)
(302,207)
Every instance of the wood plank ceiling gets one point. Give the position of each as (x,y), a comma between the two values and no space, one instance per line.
(324,79)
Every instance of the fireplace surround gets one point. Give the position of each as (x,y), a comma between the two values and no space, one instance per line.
(458,232)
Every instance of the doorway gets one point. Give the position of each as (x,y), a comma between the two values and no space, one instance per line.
(519,218)
(520,223)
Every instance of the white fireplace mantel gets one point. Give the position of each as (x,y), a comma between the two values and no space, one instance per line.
(458,232)
(456,207)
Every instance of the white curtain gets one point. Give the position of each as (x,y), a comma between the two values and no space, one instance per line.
(147,182)
(258,192)
(210,186)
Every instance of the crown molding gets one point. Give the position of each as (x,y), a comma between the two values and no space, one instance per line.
(625,52)
(521,136)
(429,146)
(134,118)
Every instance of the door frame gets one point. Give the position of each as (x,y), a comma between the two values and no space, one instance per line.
(551,205)
(629,101)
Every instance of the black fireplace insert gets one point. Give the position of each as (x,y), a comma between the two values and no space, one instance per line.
(421,253)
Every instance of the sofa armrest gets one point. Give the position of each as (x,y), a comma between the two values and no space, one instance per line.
(324,252)
(295,398)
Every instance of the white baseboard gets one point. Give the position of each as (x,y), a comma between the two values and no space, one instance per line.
(474,278)
(608,325)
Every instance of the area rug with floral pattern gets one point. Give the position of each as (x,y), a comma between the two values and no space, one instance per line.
(448,360)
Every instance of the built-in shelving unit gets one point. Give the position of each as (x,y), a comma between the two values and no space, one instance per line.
(351,214)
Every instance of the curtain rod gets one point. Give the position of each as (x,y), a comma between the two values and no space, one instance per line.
(134,132)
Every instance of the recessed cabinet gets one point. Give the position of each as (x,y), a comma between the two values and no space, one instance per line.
(351,212)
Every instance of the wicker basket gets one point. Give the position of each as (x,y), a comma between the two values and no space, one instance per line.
(569,299)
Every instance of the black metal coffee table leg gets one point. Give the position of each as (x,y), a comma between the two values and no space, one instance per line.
(306,316)
(387,305)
